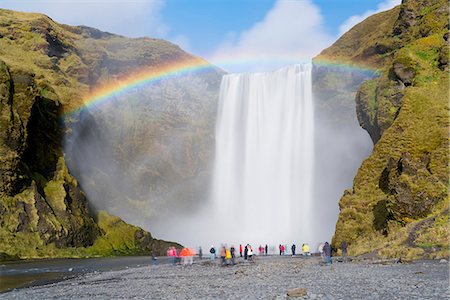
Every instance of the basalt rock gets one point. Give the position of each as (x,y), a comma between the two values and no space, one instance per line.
(400,192)
(44,213)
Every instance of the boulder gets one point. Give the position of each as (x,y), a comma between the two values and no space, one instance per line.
(297,292)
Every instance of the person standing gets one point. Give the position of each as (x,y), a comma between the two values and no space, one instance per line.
(154,258)
(245,252)
(320,249)
(223,253)
(233,255)
(240,250)
(293,249)
(250,252)
(228,256)
(266,249)
(344,251)
(279,247)
(172,253)
(327,253)
(306,250)
(200,253)
(212,252)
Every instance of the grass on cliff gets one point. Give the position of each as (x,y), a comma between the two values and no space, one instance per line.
(423,124)
(358,45)
(421,128)
(19,231)
(66,58)
(118,238)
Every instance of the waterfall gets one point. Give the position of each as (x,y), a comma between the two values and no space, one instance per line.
(262,189)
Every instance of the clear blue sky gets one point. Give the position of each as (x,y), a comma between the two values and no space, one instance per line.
(237,35)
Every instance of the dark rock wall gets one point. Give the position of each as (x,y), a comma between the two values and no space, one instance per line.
(38,195)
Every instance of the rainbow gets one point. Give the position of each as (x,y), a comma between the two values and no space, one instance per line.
(347,66)
(136,80)
(139,79)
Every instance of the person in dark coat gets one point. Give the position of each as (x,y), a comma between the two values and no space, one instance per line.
(344,251)
(245,252)
(327,252)
(212,251)
(154,258)
(233,255)
(266,249)
(293,249)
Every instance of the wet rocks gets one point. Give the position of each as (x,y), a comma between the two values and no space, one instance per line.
(405,71)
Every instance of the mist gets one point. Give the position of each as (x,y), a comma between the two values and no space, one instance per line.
(150,157)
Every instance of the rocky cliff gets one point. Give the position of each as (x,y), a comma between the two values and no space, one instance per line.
(46,70)
(398,206)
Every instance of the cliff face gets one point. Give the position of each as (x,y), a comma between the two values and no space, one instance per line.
(40,201)
(398,206)
(46,69)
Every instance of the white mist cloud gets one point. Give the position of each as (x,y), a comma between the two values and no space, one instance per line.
(132,18)
(292,31)
(355,19)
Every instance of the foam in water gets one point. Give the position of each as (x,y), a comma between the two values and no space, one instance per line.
(262,189)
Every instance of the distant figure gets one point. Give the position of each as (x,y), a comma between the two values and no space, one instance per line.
(320,249)
(327,253)
(172,253)
(233,255)
(250,252)
(266,249)
(223,254)
(260,249)
(169,252)
(187,256)
(279,247)
(293,249)
(200,253)
(212,252)
(227,256)
(282,249)
(245,252)
(240,250)
(344,251)
(306,250)
(154,258)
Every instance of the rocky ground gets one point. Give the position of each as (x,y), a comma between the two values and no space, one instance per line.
(266,278)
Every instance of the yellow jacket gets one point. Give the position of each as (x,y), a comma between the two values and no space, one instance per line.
(305,248)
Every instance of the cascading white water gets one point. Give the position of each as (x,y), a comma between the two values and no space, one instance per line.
(262,188)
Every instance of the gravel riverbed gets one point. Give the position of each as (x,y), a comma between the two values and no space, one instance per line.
(266,278)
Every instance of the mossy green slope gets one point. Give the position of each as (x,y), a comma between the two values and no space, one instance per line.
(67,62)
(46,69)
(120,238)
(398,206)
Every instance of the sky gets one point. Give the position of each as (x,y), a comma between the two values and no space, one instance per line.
(236,35)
